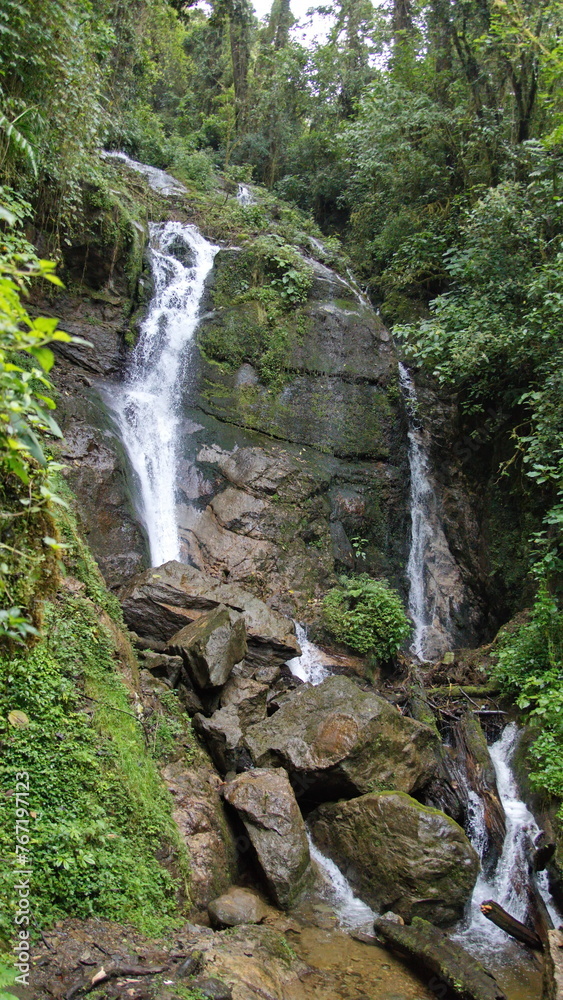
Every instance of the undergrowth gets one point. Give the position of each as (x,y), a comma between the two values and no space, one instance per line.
(100,812)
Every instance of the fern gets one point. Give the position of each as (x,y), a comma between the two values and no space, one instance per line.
(17,140)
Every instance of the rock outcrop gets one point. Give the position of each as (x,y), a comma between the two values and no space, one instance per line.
(265,801)
(399,855)
(337,740)
(159,602)
(200,816)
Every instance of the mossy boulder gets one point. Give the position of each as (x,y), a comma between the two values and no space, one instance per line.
(337,740)
(399,855)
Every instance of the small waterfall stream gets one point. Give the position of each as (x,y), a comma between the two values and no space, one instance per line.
(146,406)
(308,667)
(245,196)
(507,884)
(352,913)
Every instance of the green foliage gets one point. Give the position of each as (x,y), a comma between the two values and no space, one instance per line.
(530,669)
(367,615)
(26,426)
(100,813)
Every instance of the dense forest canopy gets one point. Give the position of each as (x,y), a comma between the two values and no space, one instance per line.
(426,136)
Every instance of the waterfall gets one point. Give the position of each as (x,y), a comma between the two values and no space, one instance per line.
(352,913)
(507,885)
(146,406)
(433,574)
(245,196)
(309,666)
(157,179)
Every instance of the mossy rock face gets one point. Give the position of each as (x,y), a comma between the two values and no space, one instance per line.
(400,855)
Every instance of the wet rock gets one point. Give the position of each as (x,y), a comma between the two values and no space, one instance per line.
(399,854)
(223,737)
(200,816)
(248,697)
(337,740)
(265,801)
(237,906)
(160,601)
(190,966)
(211,646)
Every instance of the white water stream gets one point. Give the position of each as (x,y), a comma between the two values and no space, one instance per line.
(507,885)
(157,179)
(352,913)
(308,667)
(146,406)
(245,196)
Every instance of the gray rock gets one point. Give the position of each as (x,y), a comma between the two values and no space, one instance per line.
(399,854)
(211,646)
(337,740)
(237,906)
(213,989)
(267,806)
(248,696)
(223,737)
(200,817)
(160,601)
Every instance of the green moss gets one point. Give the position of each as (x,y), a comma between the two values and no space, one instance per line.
(100,814)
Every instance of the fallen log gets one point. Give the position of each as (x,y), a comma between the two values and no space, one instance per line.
(459,690)
(449,964)
(495,913)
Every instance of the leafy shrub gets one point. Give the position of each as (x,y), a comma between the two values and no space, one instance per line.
(530,669)
(26,423)
(367,615)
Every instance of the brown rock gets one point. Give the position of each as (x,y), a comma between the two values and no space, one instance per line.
(267,806)
(211,646)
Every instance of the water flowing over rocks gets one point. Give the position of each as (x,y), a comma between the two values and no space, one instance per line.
(337,740)
(265,801)
(399,855)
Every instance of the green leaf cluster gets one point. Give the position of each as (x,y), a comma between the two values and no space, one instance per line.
(367,615)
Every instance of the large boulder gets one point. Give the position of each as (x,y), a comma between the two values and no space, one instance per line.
(336,740)
(159,602)
(399,854)
(265,801)
(200,817)
(211,646)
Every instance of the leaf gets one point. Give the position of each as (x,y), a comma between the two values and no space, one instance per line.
(45,357)
(18,719)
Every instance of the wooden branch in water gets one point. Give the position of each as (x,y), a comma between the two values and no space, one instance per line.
(495,913)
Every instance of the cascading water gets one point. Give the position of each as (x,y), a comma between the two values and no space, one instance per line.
(309,666)
(507,885)
(157,179)
(432,571)
(245,196)
(352,913)
(146,405)
(421,497)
